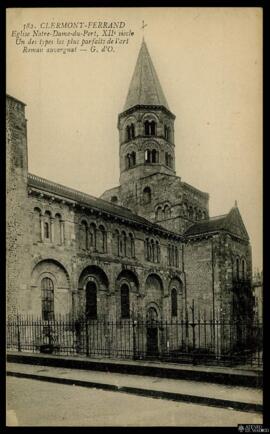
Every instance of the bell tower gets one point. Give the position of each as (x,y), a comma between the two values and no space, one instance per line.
(146,125)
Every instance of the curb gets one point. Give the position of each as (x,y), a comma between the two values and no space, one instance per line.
(235,379)
(157,394)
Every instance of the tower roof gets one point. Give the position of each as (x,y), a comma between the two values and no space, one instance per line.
(145,88)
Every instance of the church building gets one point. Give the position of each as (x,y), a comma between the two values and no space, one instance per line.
(146,248)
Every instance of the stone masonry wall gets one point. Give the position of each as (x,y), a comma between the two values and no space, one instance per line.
(17,226)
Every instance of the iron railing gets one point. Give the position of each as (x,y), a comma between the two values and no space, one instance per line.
(196,341)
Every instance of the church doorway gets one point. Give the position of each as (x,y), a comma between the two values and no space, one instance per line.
(152,349)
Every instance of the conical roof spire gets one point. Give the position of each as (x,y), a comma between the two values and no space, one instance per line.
(145,88)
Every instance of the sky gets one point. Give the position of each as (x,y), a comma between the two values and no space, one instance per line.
(209,63)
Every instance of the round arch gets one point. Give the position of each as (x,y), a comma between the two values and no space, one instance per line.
(150,116)
(47,265)
(150,144)
(176,283)
(95,272)
(128,120)
(130,278)
(153,280)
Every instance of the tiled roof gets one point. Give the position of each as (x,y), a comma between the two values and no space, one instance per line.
(91,201)
(211,225)
(145,88)
(231,223)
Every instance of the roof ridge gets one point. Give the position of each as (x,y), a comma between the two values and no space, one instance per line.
(71,189)
(105,205)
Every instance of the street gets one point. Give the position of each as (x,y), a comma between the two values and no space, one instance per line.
(38,403)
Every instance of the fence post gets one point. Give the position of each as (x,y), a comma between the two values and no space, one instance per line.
(87,337)
(193,326)
(134,323)
(18,335)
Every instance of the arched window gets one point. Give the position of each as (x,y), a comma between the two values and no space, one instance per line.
(124,244)
(155,156)
(169,255)
(91,300)
(150,128)
(167,211)
(237,268)
(174,302)
(176,257)
(128,161)
(125,309)
(157,252)
(117,242)
(243,269)
(47,225)
(83,235)
(190,213)
(47,299)
(152,251)
(37,225)
(147,156)
(159,213)
(153,128)
(147,249)
(132,131)
(132,245)
(92,236)
(146,195)
(133,159)
(146,128)
(167,133)
(46,230)
(128,133)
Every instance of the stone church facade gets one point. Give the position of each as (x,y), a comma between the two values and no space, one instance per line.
(146,248)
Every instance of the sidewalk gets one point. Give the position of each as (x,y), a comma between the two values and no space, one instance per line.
(212,374)
(216,395)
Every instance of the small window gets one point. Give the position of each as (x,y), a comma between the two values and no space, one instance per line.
(125,309)
(243,269)
(146,195)
(114,199)
(157,252)
(147,156)
(37,225)
(133,159)
(237,268)
(132,131)
(46,230)
(47,225)
(91,301)
(47,299)
(92,235)
(150,128)
(167,211)
(132,246)
(174,302)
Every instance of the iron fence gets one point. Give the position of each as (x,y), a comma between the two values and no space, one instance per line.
(196,341)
